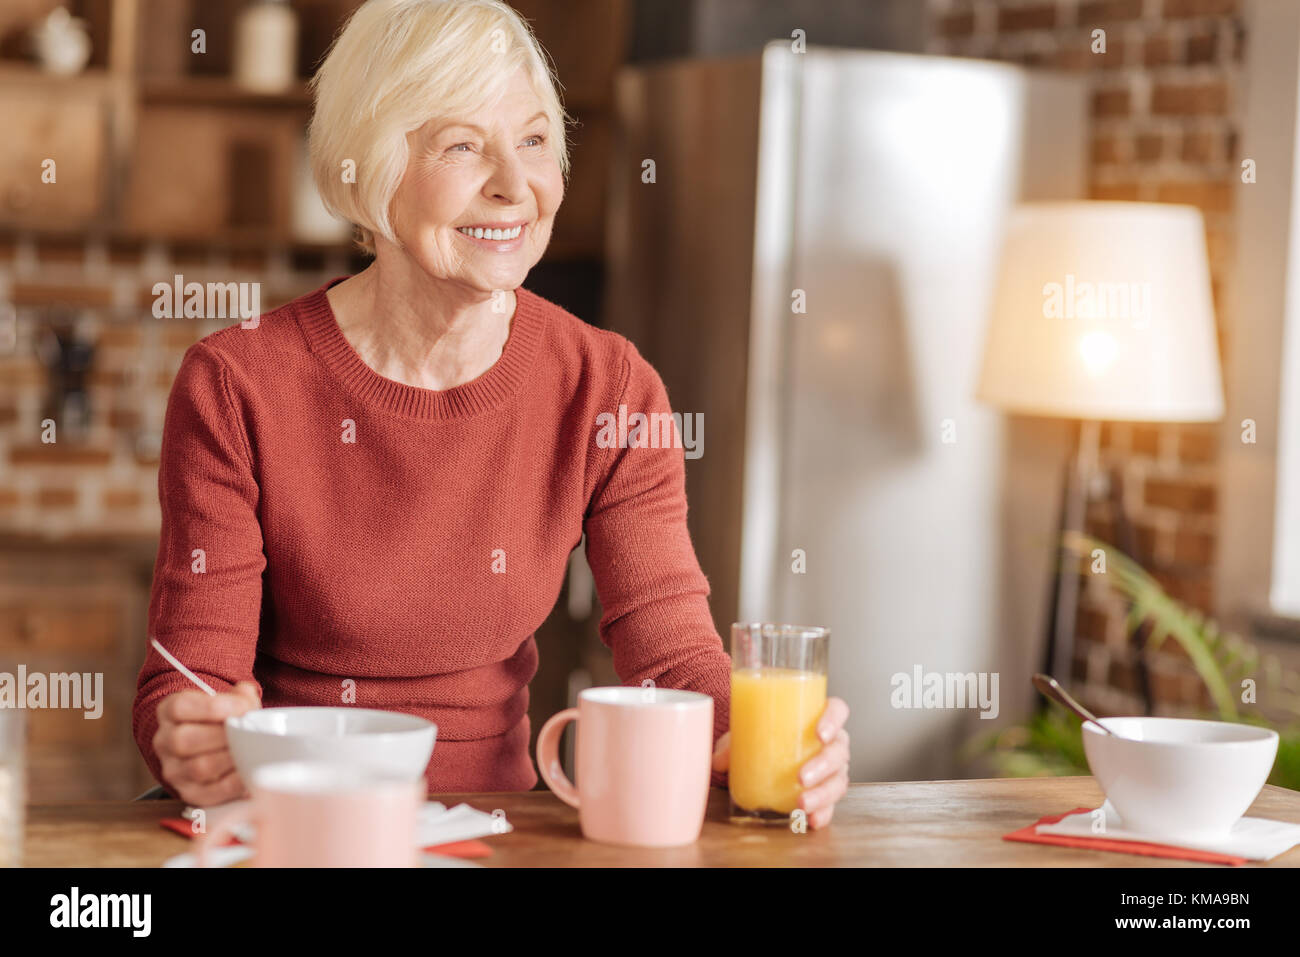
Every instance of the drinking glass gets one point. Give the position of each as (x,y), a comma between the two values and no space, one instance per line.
(13,786)
(778,694)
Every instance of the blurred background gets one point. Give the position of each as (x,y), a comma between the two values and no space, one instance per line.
(813,265)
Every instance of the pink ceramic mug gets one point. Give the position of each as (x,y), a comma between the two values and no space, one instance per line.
(644,757)
(312,814)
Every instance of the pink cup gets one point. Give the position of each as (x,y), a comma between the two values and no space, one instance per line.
(311,814)
(644,757)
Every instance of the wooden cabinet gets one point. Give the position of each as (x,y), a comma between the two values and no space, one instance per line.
(78,608)
(235,165)
(56,154)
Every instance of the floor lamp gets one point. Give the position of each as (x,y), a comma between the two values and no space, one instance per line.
(1103,313)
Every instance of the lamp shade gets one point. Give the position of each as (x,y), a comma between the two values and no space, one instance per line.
(1104,311)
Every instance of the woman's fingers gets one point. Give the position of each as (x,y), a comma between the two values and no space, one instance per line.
(203,780)
(207,768)
(820,802)
(198,771)
(193,756)
(826,762)
(819,819)
(825,777)
(722,752)
(198,706)
(833,717)
(227,788)
(191,722)
(189,739)
(251,691)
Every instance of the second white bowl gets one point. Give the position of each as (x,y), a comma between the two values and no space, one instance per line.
(387,742)
(1180,777)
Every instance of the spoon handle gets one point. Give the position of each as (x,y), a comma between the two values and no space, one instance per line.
(175,663)
(1050,687)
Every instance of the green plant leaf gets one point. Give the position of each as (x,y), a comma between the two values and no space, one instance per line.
(1051,743)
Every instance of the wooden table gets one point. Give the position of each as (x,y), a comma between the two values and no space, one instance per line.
(926,823)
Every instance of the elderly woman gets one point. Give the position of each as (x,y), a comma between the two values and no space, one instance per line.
(371,497)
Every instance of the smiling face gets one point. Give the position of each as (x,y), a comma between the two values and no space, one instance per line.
(493,170)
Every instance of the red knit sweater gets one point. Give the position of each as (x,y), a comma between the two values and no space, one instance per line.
(353,527)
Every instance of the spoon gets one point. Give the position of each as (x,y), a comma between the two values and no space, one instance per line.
(1052,689)
(175,662)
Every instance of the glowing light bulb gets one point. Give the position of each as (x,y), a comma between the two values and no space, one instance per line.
(1098,349)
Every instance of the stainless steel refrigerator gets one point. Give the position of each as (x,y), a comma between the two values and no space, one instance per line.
(804,245)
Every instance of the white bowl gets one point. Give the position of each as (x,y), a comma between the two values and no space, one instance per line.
(1179,777)
(386,742)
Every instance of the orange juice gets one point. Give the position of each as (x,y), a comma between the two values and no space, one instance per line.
(774,714)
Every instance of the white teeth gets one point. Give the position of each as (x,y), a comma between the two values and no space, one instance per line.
(493,234)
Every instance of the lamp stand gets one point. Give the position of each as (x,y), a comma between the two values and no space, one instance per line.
(1074,509)
(1081,474)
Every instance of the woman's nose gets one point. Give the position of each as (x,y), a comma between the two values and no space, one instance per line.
(507,181)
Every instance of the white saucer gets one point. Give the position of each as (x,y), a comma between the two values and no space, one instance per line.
(1254,838)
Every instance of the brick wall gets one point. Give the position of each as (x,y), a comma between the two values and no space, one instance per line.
(104,481)
(1164,128)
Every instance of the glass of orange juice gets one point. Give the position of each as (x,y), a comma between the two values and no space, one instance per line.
(778,694)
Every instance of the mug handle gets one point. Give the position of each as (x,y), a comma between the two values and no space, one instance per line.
(222,828)
(548,756)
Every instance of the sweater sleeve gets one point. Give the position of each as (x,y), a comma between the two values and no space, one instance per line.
(205,604)
(653,594)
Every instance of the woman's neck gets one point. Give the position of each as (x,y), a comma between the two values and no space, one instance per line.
(420,331)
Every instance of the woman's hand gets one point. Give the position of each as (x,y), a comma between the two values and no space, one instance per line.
(825,776)
(191,743)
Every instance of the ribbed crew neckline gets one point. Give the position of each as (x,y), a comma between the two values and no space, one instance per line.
(483,394)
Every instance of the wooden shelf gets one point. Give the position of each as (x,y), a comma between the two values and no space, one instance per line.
(20,71)
(219,92)
(232,240)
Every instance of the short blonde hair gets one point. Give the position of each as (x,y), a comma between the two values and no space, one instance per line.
(398,64)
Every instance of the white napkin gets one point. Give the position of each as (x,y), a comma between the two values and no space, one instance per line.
(436,825)
(1254,838)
